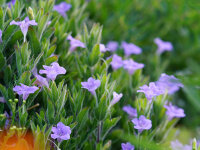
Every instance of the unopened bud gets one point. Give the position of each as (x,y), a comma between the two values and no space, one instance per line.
(30,13)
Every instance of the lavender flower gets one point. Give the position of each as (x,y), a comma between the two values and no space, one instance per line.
(174,111)
(176,145)
(24,25)
(117,62)
(163,46)
(2,100)
(74,43)
(151,91)
(53,70)
(7,123)
(102,48)
(61,132)
(130,48)
(127,146)
(25,90)
(169,83)
(41,81)
(112,46)
(0,36)
(12,2)
(62,8)
(91,85)
(130,111)
(142,123)
(131,66)
(116,98)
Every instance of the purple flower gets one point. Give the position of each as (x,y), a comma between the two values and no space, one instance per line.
(2,100)
(74,43)
(7,123)
(61,132)
(142,123)
(48,23)
(116,98)
(91,85)
(62,8)
(176,145)
(130,48)
(12,2)
(163,46)
(117,62)
(169,83)
(130,111)
(131,66)
(53,70)
(127,146)
(24,25)
(0,36)
(151,91)
(102,48)
(25,90)
(41,81)
(112,46)
(174,111)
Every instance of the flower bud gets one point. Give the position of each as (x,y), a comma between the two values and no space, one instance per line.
(30,13)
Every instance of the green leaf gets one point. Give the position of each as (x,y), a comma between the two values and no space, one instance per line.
(34,42)
(42,25)
(82,118)
(50,113)
(108,125)
(2,60)
(50,60)
(51,51)
(95,55)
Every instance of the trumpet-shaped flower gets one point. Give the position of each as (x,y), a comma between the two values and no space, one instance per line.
(25,90)
(24,25)
(169,83)
(131,66)
(102,48)
(117,62)
(61,132)
(132,112)
(74,43)
(41,81)
(142,123)
(163,46)
(127,146)
(53,70)
(176,145)
(12,2)
(0,36)
(91,85)
(62,8)
(112,46)
(116,98)
(130,48)
(174,112)
(151,91)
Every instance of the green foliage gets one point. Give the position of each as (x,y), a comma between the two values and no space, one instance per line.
(94,122)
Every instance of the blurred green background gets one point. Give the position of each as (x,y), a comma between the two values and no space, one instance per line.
(177,21)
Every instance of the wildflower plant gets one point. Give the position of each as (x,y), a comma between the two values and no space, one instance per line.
(58,80)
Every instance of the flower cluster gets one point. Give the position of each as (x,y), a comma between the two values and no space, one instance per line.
(129,65)
(51,72)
